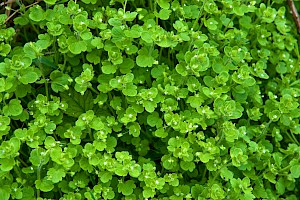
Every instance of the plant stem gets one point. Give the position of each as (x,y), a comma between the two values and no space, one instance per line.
(294,13)
(124,8)
(295,139)
(203,175)
(91,135)
(56,51)
(47,89)
(46,81)
(17,170)
(94,90)
(34,28)
(292,138)
(65,62)
(231,20)
(38,174)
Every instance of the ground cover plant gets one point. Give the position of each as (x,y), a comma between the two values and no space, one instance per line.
(123,99)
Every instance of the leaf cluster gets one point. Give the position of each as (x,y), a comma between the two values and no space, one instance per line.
(158,99)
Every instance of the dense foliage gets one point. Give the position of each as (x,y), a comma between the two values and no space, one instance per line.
(149,99)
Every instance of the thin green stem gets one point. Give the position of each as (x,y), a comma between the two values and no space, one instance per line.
(34,28)
(112,111)
(65,62)
(151,5)
(83,58)
(296,49)
(196,21)
(124,6)
(15,123)
(24,154)
(155,11)
(292,138)
(47,89)
(24,100)
(203,175)
(56,52)
(46,81)
(18,172)
(202,21)
(124,100)
(110,97)
(191,44)
(231,20)
(265,129)
(285,168)
(161,51)
(91,135)
(38,174)
(220,133)
(219,171)
(23,162)
(181,105)
(295,83)
(13,126)
(25,35)
(295,139)
(94,90)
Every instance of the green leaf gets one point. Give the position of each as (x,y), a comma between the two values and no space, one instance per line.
(191,11)
(211,24)
(28,76)
(127,187)
(86,35)
(60,81)
(93,57)
(164,3)
(130,16)
(154,120)
(111,143)
(49,141)
(146,36)
(56,175)
(50,2)
(280,186)
(5,192)
(77,103)
(144,59)
(37,13)
(270,177)
(187,166)
(161,133)
(77,47)
(105,176)
(164,14)
(295,171)
(38,157)
(134,129)
(97,124)
(205,157)
(44,185)
(148,192)
(14,108)
(97,42)
(149,106)
(7,164)
(226,174)
(130,90)
(2,84)
(126,66)
(135,170)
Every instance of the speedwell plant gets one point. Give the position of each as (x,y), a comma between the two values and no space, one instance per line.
(149,99)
